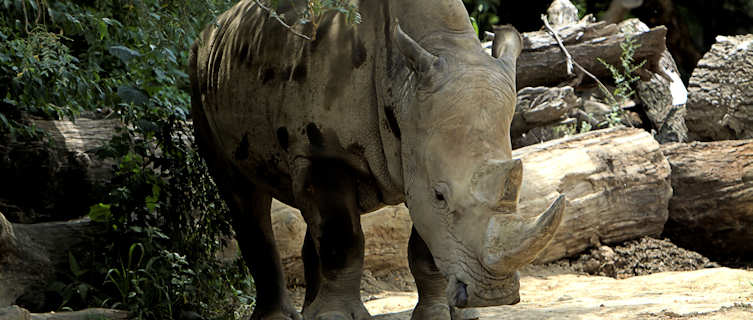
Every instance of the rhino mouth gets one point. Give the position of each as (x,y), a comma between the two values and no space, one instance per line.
(500,291)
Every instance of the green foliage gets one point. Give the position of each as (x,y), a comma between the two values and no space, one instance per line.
(483,14)
(312,14)
(164,218)
(624,77)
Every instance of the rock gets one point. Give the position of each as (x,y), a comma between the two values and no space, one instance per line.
(562,12)
(14,313)
(720,105)
(711,210)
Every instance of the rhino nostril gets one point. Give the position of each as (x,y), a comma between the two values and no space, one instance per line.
(461,294)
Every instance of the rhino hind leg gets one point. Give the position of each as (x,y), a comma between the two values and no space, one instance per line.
(431,285)
(250,210)
(333,249)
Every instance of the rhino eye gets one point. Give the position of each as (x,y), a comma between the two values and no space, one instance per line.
(440,193)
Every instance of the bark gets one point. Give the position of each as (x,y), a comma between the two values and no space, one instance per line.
(542,62)
(711,210)
(55,180)
(18,313)
(540,106)
(720,105)
(386,232)
(31,254)
(616,182)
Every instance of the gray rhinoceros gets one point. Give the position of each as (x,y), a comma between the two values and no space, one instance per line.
(403,107)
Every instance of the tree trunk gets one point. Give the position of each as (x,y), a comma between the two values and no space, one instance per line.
(711,210)
(616,182)
(31,254)
(542,62)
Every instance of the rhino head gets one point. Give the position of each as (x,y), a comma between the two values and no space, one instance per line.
(460,182)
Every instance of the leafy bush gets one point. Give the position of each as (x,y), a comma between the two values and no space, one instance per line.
(624,78)
(164,216)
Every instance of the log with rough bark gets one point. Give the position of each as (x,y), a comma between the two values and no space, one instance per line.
(18,313)
(32,254)
(663,95)
(711,210)
(539,106)
(720,104)
(542,62)
(616,182)
(386,233)
(57,180)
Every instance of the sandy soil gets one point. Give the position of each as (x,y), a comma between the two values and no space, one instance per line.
(641,279)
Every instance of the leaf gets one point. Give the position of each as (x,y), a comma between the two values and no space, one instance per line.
(132,95)
(75,268)
(102,28)
(123,53)
(100,212)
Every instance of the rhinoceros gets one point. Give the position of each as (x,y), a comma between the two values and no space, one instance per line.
(402,107)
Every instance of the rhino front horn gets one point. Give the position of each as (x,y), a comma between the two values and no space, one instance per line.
(512,241)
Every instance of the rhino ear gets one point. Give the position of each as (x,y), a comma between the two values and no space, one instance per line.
(507,42)
(419,59)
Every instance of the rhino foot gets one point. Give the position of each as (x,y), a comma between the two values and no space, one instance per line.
(336,309)
(431,312)
(288,313)
(465,313)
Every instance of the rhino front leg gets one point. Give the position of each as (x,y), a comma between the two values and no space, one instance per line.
(250,210)
(333,249)
(431,285)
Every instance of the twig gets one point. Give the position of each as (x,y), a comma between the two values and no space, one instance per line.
(570,60)
(274,14)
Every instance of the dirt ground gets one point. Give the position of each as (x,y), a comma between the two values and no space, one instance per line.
(640,279)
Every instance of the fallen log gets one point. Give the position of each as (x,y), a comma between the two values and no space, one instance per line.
(616,182)
(711,210)
(386,233)
(18,313)
(59,178)
(540,106)
(542,63)
(30,255)
(720,104)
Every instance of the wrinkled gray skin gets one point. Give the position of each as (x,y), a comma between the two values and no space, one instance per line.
(403,107)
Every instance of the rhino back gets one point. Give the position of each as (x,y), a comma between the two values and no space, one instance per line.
(269,96)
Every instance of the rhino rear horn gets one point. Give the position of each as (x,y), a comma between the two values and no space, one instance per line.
(419,59)
(497,184)
(507,42)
